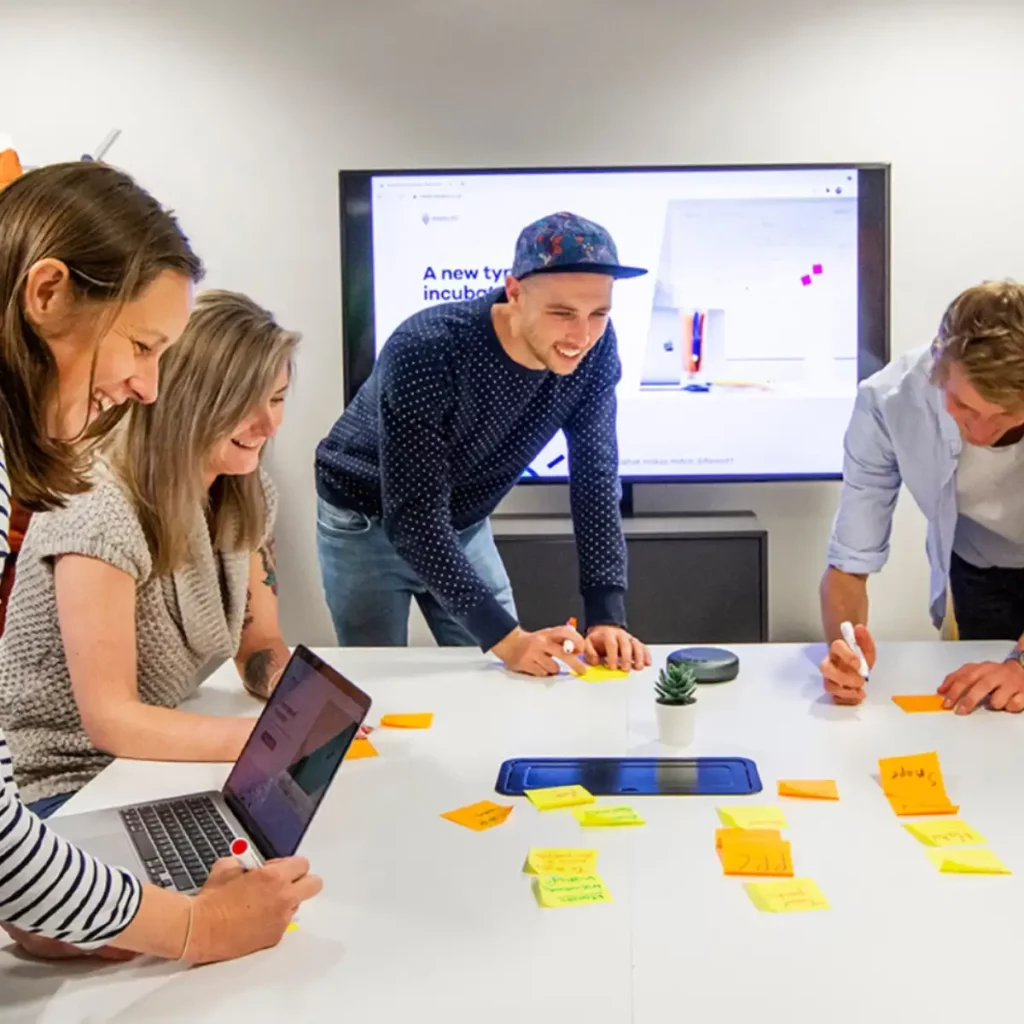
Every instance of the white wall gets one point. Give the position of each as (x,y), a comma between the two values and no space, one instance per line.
(239,113)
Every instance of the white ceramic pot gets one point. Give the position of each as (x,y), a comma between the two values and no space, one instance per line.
(676,723)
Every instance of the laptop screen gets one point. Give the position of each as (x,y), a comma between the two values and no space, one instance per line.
(293,753)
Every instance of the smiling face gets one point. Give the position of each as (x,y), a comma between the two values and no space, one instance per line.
(239,452)
(106,355)
(558,318)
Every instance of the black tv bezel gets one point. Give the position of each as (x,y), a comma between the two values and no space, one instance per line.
(873,263)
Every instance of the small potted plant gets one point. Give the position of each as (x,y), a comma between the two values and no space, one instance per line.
(676,704)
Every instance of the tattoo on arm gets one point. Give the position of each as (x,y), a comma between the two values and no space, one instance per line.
(247,617)
(256,674)
(269,560)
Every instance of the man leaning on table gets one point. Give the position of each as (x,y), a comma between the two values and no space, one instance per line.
(946,421)
(462,399)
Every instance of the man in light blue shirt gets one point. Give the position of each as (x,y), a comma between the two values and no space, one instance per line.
(946,421)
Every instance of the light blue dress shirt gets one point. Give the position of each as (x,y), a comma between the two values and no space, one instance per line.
(899,433)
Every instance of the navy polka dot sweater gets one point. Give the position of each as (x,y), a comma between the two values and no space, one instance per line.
(443,429)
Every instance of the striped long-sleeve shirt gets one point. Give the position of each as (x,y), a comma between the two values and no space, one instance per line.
(48,886)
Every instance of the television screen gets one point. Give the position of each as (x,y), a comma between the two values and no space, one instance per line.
(765,303)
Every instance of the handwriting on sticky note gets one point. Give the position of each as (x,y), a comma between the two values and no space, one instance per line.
(419,721)
(809,789)
(601,674)
(561,862)
(741,816)
(795,896)
(570,890)
(360,748)
(480,816)
(608,817)
(746,835)
(945,833)
(968,862)
(757,858)
(554,798)
(918,702)
(914,785)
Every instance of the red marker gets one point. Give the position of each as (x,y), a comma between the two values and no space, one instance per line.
(567,645)
(242,852)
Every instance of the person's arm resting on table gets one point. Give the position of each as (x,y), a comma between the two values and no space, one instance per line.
(416,497)
(859,545)
(597,523)
(262,654)
(96,609)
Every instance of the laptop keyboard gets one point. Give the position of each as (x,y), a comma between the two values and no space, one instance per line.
(179,840)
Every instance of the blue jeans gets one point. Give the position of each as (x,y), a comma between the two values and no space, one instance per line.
(46,805)
(368,585)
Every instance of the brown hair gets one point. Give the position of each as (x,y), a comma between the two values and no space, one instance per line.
(982,332)
(224,364)
(115,239)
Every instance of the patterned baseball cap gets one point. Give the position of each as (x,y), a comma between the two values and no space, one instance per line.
(565,242)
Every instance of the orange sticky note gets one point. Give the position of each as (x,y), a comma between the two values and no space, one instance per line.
(906,806)
(809,789)
(480,816)
(744,835)
(422,721)
(921,702)
(757,858)
(360,748)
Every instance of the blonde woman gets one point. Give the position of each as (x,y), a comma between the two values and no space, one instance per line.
(90,299)
(163,567)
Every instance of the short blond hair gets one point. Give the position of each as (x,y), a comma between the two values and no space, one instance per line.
(982,332)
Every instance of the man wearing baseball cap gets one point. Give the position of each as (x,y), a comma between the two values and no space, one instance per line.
(461,400)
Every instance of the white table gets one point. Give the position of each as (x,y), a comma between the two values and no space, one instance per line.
(422,920)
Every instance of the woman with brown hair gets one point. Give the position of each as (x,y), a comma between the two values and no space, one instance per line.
(96,283)
(164,566)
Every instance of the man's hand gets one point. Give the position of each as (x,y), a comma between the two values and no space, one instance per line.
(841,669)
(1002,682)
(538,654)
(53,949)
(616,648)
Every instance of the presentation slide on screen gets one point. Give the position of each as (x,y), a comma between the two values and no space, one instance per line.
(738,348)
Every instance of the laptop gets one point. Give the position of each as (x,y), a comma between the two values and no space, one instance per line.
(270,797)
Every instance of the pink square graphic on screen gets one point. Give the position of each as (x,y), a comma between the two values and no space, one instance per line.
(817,268)
(806,279)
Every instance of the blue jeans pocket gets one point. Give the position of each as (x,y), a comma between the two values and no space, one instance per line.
(346,521)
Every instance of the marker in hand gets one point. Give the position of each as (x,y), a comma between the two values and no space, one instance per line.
(242,852)
(846,628)
(567,645)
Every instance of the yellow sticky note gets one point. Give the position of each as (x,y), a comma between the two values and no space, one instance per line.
(946,833)
(809,789)
(608,817)
(757,857)
(968,862)
(915,703)
(741,816)
(480,816)
(422,721)
(601,674)
(789,897)
(360,748)
(561,862)
(555,797)
(292,927)
(570,890)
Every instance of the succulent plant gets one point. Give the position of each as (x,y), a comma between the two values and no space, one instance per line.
(677,684)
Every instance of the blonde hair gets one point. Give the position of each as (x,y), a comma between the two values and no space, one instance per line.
(982,332)
(224,364)
(115,239)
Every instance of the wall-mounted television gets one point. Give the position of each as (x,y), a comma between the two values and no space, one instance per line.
(766,302)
